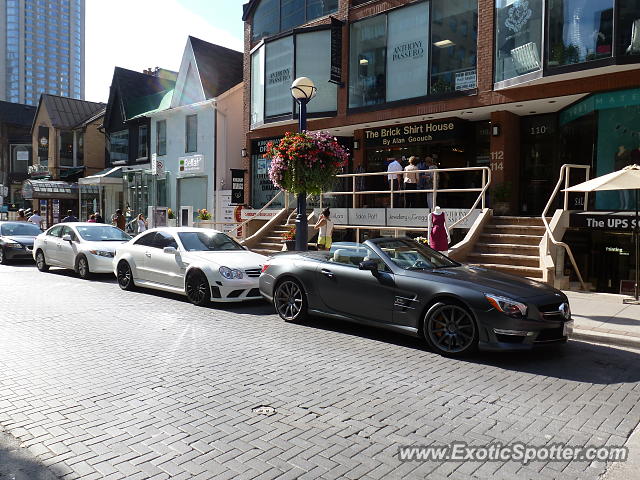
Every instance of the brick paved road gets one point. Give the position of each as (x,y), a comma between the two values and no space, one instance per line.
(101,383)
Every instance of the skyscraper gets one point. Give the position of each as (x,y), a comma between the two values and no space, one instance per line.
(41,49)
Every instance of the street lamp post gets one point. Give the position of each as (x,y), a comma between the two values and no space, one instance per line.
(303,90)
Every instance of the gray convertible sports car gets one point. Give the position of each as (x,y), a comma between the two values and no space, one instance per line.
(399,284)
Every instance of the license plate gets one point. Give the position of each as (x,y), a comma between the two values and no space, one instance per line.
(567,328)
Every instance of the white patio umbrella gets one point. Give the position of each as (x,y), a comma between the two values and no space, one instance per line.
(626,179)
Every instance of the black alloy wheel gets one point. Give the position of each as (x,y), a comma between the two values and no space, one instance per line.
(450,330)
(125,276)
(3,257)
(290,301)
(83,267)
(40,261)
(197,289)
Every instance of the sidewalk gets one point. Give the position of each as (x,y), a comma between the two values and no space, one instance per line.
(603,318)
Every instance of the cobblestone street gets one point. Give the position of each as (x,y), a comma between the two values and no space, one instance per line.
(101,383)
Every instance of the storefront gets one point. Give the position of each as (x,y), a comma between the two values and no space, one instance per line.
(101,192)
(53,198)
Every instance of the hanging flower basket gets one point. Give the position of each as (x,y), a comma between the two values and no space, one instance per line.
(306,162)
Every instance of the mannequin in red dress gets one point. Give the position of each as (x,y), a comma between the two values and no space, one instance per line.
(438,232)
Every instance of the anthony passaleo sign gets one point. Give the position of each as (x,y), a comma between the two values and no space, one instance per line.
(408,50)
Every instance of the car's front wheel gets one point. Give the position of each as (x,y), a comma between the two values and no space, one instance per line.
(125,276)
(3,257)
(41,262)
(197,289)
(450,329)
(290,300)
(83,267)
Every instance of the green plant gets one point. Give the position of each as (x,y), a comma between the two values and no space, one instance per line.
(203,214)
(170,214)
(290,234)
(501,192)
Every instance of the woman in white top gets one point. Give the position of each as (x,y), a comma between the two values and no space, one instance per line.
(142,224)
(325,225)
(411,182)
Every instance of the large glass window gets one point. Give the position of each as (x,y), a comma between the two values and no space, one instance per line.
(454,35)
(143,140)
(579,31)
(266,19)
(257,86)
(161,137)
(629,27)
(279,75)
(66,149)
(274,16)
(191,133)
(367,62)
(313,60)
(518,37)
(119,146)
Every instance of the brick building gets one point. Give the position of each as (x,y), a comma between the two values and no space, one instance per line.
(522,87)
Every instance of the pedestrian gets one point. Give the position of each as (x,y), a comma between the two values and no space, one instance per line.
(411,182)
(118,219)
(99,218)
(393,177)
(92,218)
(142,224)
(325,227)
(21,216)
(36,219)
(70,217)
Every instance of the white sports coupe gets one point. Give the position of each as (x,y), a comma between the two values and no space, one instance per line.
(81,246)
(203,264)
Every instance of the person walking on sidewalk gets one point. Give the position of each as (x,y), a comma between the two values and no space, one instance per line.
(325,225)
(118,220)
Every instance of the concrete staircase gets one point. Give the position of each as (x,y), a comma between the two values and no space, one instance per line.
(510,245)
(272,241)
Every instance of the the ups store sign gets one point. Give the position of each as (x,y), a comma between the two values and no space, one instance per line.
(452,129)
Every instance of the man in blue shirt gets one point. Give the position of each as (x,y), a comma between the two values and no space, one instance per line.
(69,217)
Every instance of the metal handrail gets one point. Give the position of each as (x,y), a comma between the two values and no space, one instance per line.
(238,227)
(295,211)
(565,170)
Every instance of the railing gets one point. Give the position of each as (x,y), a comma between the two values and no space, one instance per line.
(238,228)
(486,181)
(565,173)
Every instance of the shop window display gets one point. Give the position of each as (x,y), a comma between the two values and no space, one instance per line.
(579,31)
(518,38)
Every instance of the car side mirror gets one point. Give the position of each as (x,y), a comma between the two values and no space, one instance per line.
(170,250)
(370,265)
(67,238)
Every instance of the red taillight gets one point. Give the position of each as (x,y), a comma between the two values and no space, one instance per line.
(264,268)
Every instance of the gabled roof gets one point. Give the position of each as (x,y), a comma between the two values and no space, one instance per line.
(17,113)
(65,112)
(220,68)
(139,92)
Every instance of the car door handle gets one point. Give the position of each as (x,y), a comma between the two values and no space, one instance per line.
(148,254)
(327,273)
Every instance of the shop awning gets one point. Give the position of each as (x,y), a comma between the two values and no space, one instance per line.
(109,176)
(49,189)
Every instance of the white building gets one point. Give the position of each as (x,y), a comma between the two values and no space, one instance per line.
(198,139)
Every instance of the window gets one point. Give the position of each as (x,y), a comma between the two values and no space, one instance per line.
(367,62)
(55,231)
(80,148)
(145,240)
(279,75)
(206,241)
(454,35)
(191,133)
(143,140)
(164,239)
(579,31)
(119,146)
(518,38)
(161,137)
(315,62)
(629,27)
(66,148)
(274,16)
(257,86)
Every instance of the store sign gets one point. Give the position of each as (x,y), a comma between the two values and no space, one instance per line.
(367,216)
(157,165)
(193,164)
(225,211)
(415,133)
(339,216)
(256,214)
(407,217)
(22,155)
(617,221)
(237,186)
(466,80)
(336,51)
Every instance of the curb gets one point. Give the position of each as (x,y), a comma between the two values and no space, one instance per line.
(605,338)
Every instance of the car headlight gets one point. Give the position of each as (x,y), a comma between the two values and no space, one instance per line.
(507,306)
(102,253)
(13,245)
(230,273)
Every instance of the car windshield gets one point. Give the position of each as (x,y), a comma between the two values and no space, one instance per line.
(207,241)
(102,233)
(26,229)
(411,255)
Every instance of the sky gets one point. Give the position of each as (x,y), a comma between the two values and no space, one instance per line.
(139,34)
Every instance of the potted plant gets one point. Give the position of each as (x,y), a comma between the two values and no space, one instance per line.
(204,218)
(289,238)
(306,162)
(500,196)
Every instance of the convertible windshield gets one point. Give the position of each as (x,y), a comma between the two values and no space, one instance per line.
(206,241)
(102,233)
(411,255)
(26,229)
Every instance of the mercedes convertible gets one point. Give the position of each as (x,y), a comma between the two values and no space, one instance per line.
(405,286)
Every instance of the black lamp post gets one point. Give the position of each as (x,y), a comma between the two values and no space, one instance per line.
(303,90)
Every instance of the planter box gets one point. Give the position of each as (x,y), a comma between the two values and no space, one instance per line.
(205,224)
(289,245)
